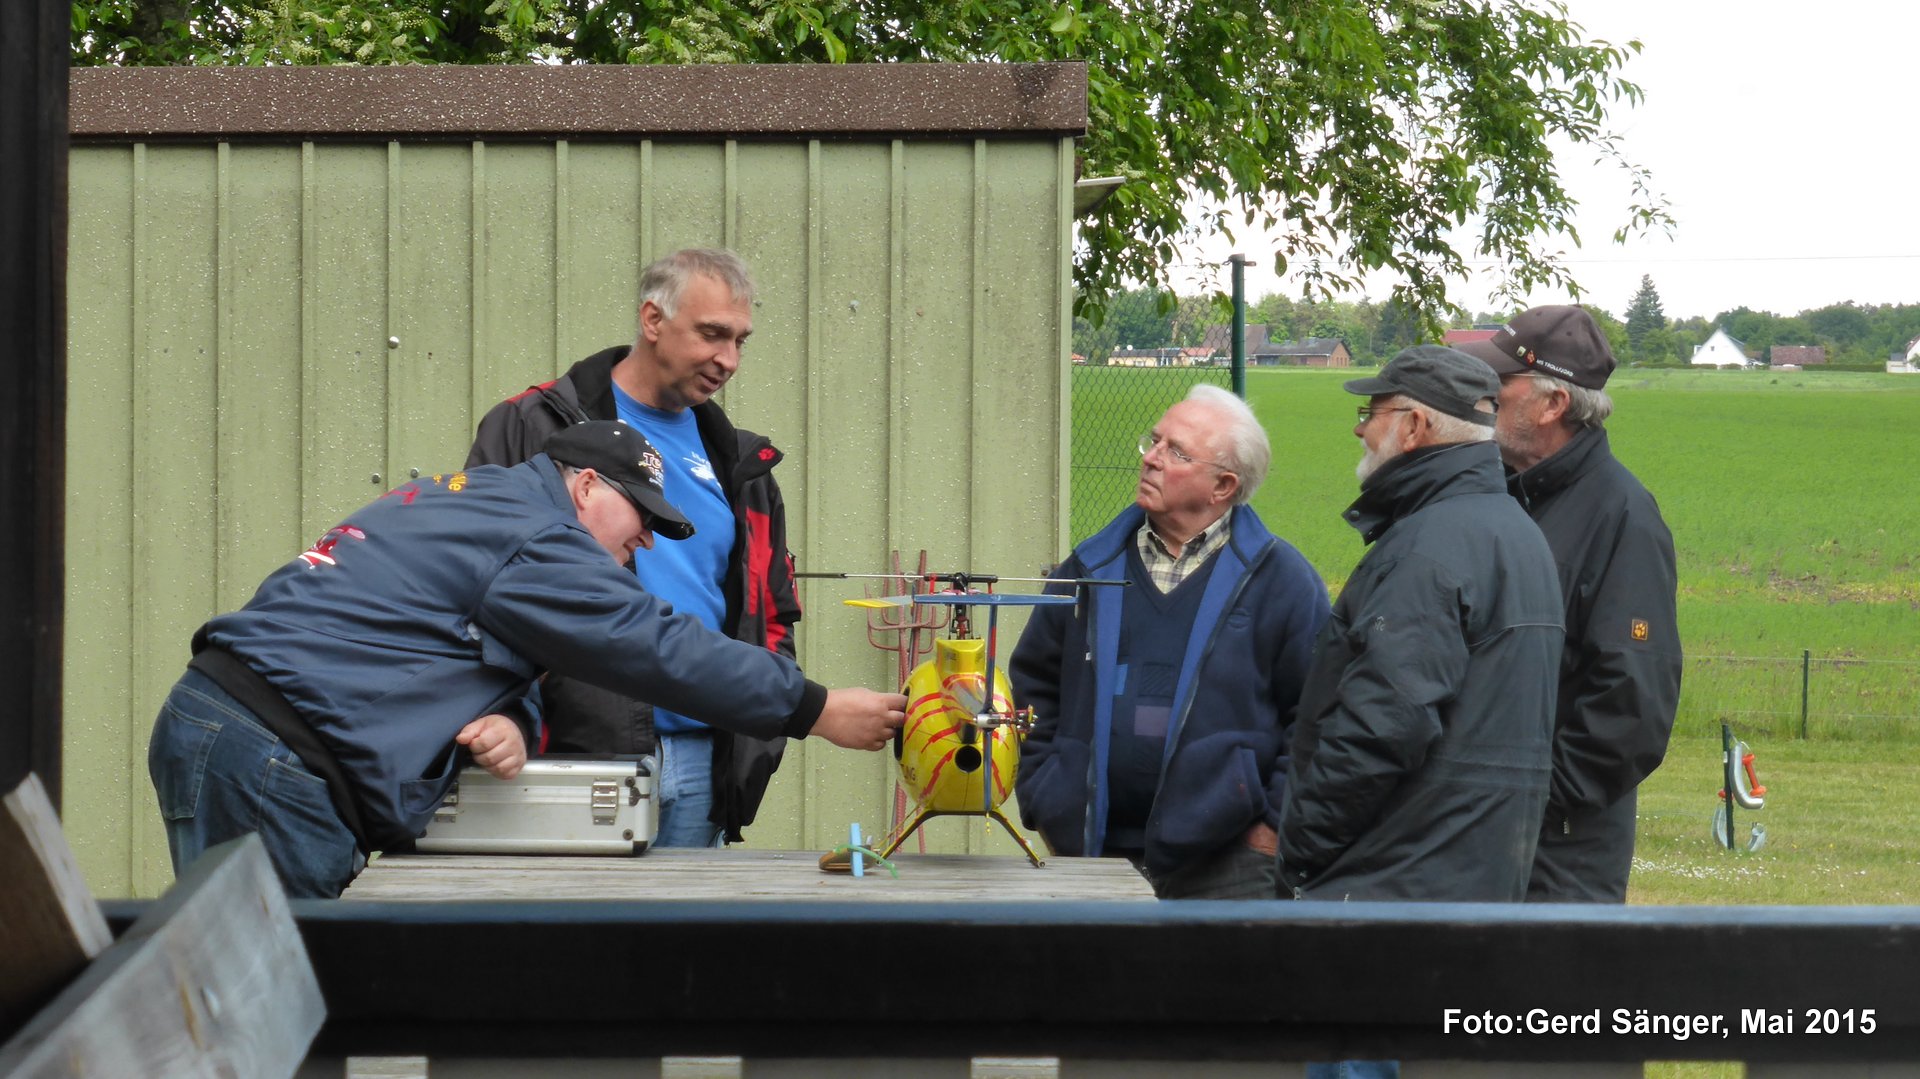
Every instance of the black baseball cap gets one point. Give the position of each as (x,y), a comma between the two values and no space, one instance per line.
(1561,340)
(1438,377)
(623,457)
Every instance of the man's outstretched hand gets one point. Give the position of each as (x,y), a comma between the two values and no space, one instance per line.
(859,718)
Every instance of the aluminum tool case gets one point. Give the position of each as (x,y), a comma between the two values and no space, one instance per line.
(556,805)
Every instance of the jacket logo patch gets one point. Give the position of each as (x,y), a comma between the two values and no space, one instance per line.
(322,553)
(1639,629)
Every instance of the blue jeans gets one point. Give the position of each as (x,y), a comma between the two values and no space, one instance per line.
(685,792)
(219,775)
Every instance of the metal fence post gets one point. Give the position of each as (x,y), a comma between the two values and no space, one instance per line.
(1806,663)
(1239,353)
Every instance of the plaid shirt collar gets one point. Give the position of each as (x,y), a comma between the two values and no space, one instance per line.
(1167,571)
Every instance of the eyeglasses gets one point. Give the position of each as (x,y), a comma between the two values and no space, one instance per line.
(1150,440)
(1367,412)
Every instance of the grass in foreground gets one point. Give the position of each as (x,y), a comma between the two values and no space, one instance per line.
(1840,821)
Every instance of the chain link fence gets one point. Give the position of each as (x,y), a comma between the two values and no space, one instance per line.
(1804,696)
(1112,407)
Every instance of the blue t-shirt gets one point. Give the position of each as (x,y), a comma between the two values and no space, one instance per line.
(689,573)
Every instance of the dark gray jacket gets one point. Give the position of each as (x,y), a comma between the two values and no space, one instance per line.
(1620,673)
(1420,753)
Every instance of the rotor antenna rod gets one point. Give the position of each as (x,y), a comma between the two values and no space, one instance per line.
(1083,589)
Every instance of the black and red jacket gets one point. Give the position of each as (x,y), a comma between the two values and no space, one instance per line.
(762,606)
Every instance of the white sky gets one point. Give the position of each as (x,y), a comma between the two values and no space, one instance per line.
(1783,136)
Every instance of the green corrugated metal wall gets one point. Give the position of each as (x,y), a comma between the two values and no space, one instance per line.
(264,337)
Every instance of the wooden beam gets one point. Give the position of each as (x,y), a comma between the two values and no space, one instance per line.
(49,924)
(212,980)
(33,321)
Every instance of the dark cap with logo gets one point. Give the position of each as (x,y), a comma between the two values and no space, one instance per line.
(1438,377)
(1561,340)
(623,457)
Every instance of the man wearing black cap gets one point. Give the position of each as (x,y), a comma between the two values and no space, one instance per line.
(1421,742)
(1620,682)
(332,712)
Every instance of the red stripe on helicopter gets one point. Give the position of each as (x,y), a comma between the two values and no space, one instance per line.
(934,779)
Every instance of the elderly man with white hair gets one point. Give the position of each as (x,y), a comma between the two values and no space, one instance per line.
(1161,707)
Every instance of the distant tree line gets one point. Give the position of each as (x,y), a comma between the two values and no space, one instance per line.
(1151,318)
(1856,336)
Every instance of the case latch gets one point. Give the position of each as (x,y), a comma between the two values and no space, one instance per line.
(606,801)
(449,808)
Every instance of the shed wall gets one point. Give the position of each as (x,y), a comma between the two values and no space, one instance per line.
(264,336)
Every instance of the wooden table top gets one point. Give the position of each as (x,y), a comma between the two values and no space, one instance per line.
(739,873)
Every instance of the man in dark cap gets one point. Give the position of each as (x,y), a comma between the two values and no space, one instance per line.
(1620,681)
(332,712)
(1420,748)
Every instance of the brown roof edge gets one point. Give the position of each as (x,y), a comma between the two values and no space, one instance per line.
(579,101)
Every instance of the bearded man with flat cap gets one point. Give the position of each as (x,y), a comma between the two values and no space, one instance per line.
(1419,755)
(1620,676)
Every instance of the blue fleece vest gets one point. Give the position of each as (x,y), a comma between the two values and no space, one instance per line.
(1155,629)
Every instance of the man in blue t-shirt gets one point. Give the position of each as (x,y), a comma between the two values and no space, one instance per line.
(691,573)
(734,573)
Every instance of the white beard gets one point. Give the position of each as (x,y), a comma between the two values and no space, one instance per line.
(1371,460)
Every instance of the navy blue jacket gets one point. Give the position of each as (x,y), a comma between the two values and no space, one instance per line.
(1226,755)
(444,599)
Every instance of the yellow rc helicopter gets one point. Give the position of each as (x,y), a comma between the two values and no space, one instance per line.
(960,747)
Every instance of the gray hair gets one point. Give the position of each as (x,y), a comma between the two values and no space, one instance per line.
(1585,407)
(1449,429)
(1248,453)
(664,280)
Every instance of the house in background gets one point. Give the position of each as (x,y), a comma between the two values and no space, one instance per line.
(1720,351)
(1313,352)
(1907,364)
(1264,351)
(1479,332)
(1797,356)
(1218,340)
(1148,357)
